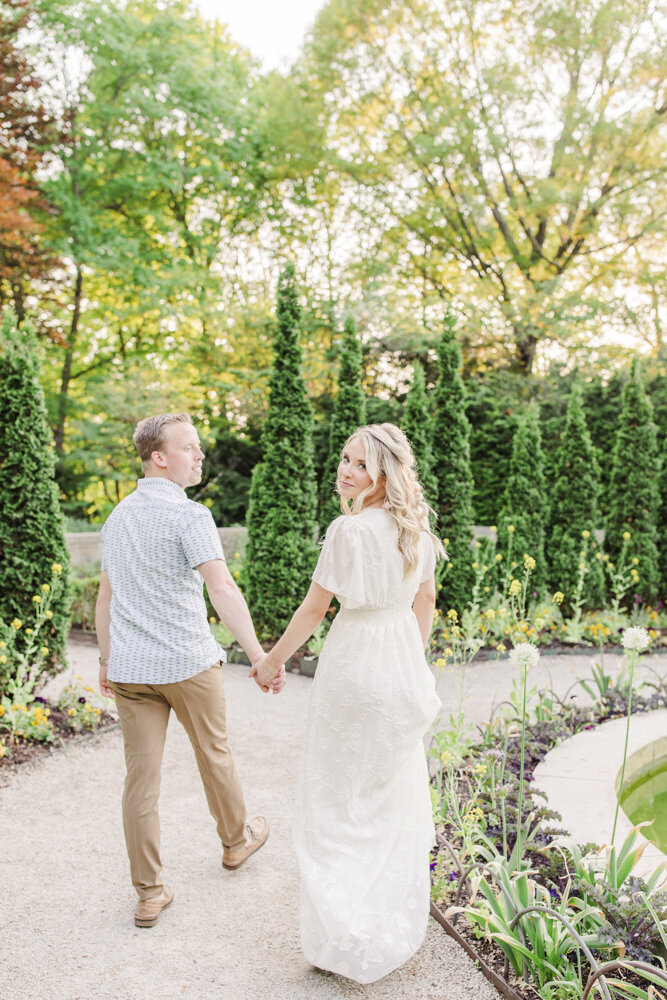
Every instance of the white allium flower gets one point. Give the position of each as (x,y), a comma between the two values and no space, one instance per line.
(525,655)
(635,638)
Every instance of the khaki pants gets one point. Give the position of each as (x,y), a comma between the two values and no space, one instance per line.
(199,704)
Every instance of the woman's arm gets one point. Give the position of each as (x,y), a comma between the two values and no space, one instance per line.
(423,607)
(304,621)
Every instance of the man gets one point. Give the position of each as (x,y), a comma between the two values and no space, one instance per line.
(157,652)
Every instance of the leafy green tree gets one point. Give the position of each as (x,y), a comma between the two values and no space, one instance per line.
(281,550)
(574,512)
(230,459)
(349,412)
(451,466)
(513,210)
(32,536)
(524,513)
(417,424)
(634,497)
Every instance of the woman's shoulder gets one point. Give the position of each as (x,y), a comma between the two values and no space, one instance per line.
(367,522)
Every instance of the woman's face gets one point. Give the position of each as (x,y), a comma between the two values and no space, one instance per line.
(352,474)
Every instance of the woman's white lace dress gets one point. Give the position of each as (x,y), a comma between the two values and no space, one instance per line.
(362,821)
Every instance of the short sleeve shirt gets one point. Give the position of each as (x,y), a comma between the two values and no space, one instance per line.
(151,543)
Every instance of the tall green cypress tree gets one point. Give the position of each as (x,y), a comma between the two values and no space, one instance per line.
(417,426)
(662,523)
(633,488)
(32,535)
(524,512)
(349,412)
(451,467)
(574,509)
(281,550)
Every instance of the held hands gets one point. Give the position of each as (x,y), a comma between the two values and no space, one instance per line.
(266,676)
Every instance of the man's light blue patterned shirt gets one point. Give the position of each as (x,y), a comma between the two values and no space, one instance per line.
(151,543)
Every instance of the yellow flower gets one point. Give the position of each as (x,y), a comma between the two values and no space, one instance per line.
(57,568)
(17,624)
(3,750)
(48,614)
(515,588)
(499,557)
(440,662)
(598,555)
(539,623)
(652,632)
(452,615)
(635,575)
(585,534)
(213,619)
(511,528)
(29,631)
(445,542)
(493,527)
(501,648)
(46,588)
(3,658)
(2,711)
(37,599)
(446,757)
(475,565)
(448,652)
(626,536)
(480,770)
(559,597)
(72,712)
(490,614)
(529,562)
(43,650)
(635,561)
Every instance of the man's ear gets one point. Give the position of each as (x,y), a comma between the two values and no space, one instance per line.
(157,458)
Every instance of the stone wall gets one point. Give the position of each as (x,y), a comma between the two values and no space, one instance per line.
(85,547)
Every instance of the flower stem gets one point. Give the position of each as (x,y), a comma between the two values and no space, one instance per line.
(519,821)
(633,660)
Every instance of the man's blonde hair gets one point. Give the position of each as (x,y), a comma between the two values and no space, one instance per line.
(149,433)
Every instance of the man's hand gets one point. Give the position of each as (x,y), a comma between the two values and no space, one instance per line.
(104,684)
(266,677)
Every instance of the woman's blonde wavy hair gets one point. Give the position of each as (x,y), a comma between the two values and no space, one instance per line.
(391,465)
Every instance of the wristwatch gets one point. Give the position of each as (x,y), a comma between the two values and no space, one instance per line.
(103,661)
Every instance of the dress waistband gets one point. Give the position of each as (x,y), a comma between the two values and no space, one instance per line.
(374,616)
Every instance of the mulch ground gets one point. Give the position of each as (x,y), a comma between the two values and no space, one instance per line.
(23,752)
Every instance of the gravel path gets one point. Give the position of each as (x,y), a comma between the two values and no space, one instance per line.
(66,901)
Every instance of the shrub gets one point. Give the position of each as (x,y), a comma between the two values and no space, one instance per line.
(574,511)
(451,465)
(349,412)
(281,551)
(84,598)
(522,520)
(418,428)
(32,537)
(633,489)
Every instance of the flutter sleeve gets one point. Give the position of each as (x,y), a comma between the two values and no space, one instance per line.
(341,567)
(427,558)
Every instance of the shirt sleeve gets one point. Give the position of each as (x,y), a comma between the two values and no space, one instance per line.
(427,564)
(341,567)
(103,566)
(200,538)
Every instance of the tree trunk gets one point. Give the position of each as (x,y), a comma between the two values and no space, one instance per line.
(524,354)
(66,374)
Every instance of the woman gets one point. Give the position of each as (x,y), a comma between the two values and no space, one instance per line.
(363,828)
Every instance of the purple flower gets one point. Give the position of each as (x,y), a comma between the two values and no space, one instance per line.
(39,698)
(434,865)
(638,598)
(82,701)
(453,876)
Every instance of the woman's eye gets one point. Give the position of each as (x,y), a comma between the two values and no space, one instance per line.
(362,466)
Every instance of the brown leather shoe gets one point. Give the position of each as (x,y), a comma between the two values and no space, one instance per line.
(148,910)
(256,831)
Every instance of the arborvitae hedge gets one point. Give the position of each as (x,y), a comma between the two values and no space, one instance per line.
(662,522)
(451,466)
(417,426)
(281,550)
(32,534)
(349,413)
(633,489)
(525,507)
(574,510)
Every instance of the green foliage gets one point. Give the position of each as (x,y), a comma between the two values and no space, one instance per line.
(574,496)
(84,599)
(230,459)
(662,522)
(451,466)
(525,506)
(32,538)
(349,412)
(634,499)
(490,410)
(417,425)
(281,550)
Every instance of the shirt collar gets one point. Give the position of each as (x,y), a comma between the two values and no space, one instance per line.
(161,485)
